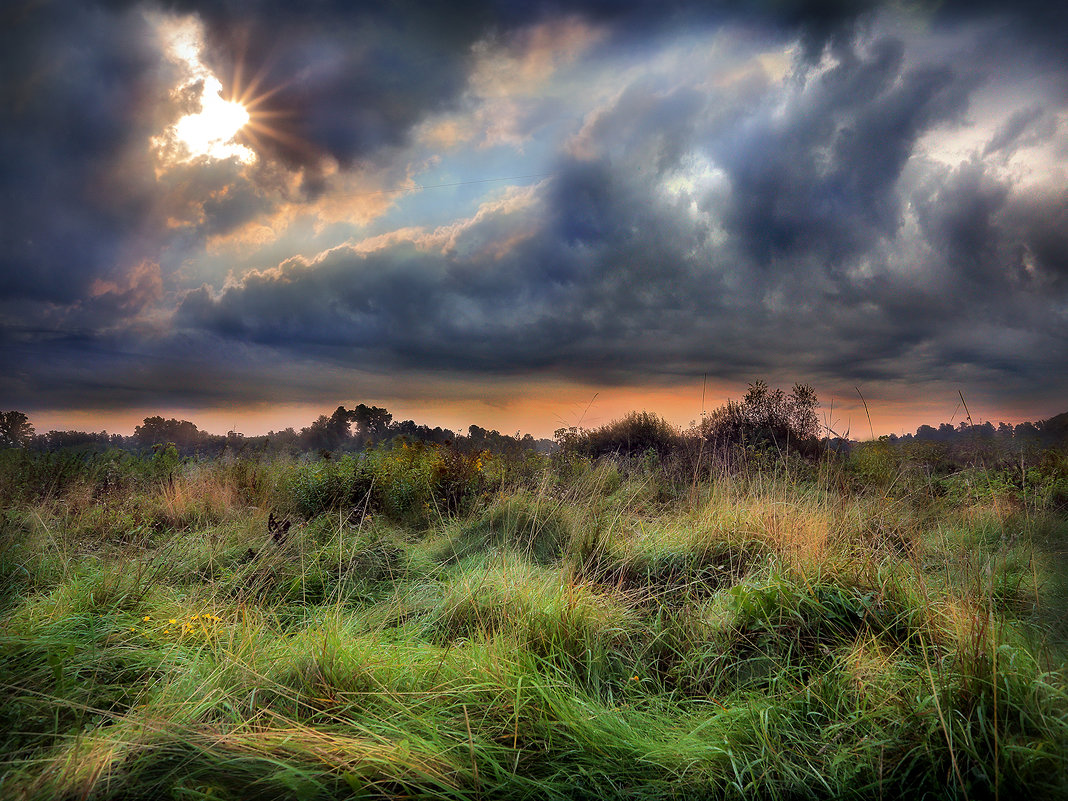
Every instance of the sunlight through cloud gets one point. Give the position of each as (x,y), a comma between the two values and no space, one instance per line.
(210,131)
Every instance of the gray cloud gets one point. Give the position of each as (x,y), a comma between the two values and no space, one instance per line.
(825,245)
(1027,126)
(618,282)
(823,180)
(75,85)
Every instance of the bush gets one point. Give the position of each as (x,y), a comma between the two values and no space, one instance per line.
(329,485)
(874,462)
(635,435)
(767,420)
(418,482)
(408,482)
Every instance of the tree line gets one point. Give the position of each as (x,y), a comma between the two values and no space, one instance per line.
(764,419)
(344,430)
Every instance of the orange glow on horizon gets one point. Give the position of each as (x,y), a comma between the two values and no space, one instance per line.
(543,409)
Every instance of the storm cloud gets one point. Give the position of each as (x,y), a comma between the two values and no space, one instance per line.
(788,191)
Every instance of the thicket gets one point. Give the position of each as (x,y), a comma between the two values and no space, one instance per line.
(766,419)
(636,434)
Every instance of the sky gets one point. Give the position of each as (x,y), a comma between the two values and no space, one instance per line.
(529,215)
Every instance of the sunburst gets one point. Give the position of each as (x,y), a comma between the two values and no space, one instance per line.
(264,122)
(213,130)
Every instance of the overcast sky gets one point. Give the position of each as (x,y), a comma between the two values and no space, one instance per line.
(531,214)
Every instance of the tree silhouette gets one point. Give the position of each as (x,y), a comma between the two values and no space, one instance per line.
(157,431)
(15,430)
(372,422)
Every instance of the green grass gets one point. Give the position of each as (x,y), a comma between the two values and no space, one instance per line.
(591,632)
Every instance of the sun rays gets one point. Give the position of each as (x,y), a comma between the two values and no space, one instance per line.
(211,131)
(219,122)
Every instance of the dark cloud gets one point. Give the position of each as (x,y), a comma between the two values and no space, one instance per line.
(1042,222)
(960,221)
(566,298)
(341,86)
(822,179)
(1027,126)
(1042,25)
(345,85)
(193,371)
(617,281)
(692,225)
(76,81)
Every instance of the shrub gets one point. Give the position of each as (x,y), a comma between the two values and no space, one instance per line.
(634,435)
(874,462)
(457,478)
(411,483)
(329,485)
(767,420)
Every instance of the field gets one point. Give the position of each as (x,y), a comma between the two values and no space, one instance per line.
(441,624)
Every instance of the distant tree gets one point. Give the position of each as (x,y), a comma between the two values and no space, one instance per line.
(372,422)
(285,440)
(157,431)
(1026,431)
(330,433)
(15,430)
(481,439)
(1056,428)
(339,424)
(317,435)
(926,432)
(57,440)
(409,430)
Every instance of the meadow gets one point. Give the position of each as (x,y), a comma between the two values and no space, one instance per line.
(434,623)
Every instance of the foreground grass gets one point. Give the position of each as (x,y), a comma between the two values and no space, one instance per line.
(594,637)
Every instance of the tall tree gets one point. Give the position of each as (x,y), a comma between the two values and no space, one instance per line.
(15,430)
(157,431)
(372,422)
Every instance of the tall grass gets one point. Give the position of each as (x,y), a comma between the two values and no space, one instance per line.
(596,630)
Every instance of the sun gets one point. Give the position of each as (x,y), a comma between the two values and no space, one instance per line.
(220,123)
(211,131)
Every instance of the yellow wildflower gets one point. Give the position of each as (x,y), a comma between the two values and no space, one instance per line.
(172,621)
(146,618)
